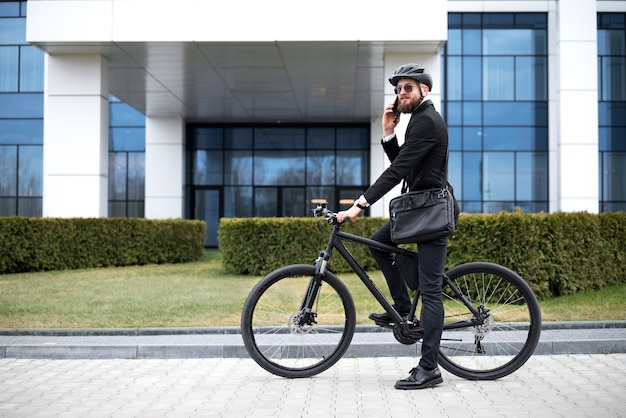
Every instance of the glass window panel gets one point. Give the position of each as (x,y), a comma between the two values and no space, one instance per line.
(31,69)
(455,114)
(208,168)
(21,105)
(209,138)
(136,175)
(455,139)
(472,139)
(8,171)
(207,203)
(472,182)
(238,138)
(531,78)
(353,138)
(238,202)
(612,114)
(127,139)
(497,207)
(472,113)
(514,42)
(279,138)
(352,168)
(498,19)
(611,42)
(320,138)
(455,173)
(472,79)
(454,79)
(614,176)
(278,168)
(294,202)
(30,207)
(499,176)
(265,201)
(238,167)
(471,42)
(531,20)
(471,20)
(471,207)
(531,176)
(320,168)
(9,8)
(453,45)
(117,209)
(122,114)
(515,139)
(30,163)
(9,64)
(498,78)
(455,20)
(319,193)
(13,31)
(136,209)
(515,113)
(117,177)
(21,131)
(8,206)
(613,78)
(612,139)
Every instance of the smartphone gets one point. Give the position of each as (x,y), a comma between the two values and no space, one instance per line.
(395,111)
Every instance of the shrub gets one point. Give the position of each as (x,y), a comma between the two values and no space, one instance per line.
(557,254)
(40,244)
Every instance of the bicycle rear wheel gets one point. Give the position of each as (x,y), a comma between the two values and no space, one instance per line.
(511,328)
(290,341)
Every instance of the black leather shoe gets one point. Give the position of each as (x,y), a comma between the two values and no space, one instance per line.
(383,317)
(420,379)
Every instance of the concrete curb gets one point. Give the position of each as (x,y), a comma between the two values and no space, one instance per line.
(597,337)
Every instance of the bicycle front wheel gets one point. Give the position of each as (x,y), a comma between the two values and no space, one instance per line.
(511,322)
(290,337)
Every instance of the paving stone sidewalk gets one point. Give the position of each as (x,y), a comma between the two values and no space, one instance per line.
(547,386)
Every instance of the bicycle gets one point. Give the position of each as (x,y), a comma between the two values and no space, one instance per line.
(299,320)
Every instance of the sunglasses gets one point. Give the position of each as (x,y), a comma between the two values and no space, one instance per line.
(407,87)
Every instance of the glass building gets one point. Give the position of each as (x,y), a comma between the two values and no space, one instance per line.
(143,122)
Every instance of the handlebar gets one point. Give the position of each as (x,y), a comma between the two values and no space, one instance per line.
(322,211)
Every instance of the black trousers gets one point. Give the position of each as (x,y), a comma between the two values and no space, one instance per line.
(432,260)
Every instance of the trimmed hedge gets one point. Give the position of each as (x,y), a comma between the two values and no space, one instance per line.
(557,254)
(40,244)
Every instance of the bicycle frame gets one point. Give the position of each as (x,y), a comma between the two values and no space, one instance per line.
(336,242)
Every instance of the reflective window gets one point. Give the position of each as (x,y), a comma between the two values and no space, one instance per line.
(9,64)
(495,104)
(21,116)
(127,161)
(612,110)
(31,69)
(276,170)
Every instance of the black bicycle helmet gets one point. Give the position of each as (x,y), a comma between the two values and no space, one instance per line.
(413,71)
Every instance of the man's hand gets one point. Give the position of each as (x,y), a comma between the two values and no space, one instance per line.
(351,214)
(389,120)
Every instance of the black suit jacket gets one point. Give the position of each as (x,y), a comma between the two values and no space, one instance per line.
(421,160)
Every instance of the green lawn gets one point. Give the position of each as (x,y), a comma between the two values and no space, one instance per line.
(198,294)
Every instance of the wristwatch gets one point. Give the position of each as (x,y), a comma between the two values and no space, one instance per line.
(358,204)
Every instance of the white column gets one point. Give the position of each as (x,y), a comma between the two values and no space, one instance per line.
(76,122)
(164,168)
(577,106)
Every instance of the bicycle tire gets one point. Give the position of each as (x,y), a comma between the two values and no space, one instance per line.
(508,337)
(270,329)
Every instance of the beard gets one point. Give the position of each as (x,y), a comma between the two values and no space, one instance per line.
(408,106)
